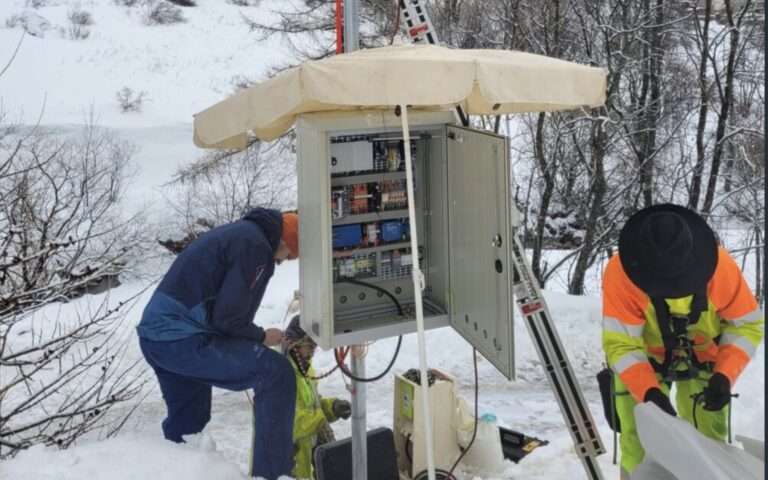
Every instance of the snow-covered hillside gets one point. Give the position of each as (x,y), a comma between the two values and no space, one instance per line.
(184,68)
(181,68)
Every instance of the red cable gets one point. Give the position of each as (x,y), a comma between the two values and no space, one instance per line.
(341,357)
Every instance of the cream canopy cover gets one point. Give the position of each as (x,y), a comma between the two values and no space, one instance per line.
(420,76)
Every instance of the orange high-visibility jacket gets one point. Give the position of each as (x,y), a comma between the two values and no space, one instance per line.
(631,331)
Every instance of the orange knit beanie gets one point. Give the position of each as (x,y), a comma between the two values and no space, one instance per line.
(291,232)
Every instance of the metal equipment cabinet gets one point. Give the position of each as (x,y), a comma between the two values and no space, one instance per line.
(353,225)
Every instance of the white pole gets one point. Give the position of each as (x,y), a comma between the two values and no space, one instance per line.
(359,418)
(359,410)
(418,286)
(351,26)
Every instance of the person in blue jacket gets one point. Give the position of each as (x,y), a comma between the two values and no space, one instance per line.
(197,332)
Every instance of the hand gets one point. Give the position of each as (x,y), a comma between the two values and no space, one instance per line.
(717,393)
(654,395)
(341,409)
(272,337)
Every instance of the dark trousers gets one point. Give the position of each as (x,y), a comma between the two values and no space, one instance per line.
(188,368)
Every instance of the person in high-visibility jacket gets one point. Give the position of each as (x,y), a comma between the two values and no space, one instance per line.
(676,309)
(313,412)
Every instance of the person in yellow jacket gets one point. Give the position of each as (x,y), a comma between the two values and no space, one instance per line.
(676,309)
(313,412)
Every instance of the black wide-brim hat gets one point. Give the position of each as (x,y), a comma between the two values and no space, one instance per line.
(668,251)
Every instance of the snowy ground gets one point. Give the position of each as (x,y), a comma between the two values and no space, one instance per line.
(185,68)
(526,404)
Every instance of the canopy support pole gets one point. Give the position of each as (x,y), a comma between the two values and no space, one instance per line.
(359,420)
(351,25)
(351,13)
(418,286)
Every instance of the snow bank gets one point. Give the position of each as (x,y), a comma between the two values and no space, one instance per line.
(129,457)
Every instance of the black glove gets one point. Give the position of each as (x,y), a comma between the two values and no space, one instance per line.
(656,396)
(717,393)
(341,409)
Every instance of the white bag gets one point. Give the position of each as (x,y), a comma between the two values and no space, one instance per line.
(485,454)
(673,446)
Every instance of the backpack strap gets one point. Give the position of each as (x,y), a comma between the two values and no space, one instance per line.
(672,328)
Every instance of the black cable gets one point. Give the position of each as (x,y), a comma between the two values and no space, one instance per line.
(440,474)
(304,369)
(337,351)
(729,422)
(408,455)
(614,417)
(730,409)
(696,399)
(375,287)
(474,429)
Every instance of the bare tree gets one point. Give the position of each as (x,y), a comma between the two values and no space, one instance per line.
(702,26)
(725,90)
(62,369)
(718,83)
(317,19)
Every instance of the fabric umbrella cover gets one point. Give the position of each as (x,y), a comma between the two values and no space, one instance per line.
(420,76)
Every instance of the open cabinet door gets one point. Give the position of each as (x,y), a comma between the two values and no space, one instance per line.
(479,236)
(315,269)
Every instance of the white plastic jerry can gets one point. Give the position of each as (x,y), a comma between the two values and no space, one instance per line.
(485,455)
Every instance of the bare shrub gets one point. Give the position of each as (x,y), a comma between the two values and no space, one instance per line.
(37,3)
(63,368)
(128,3)
(222,185)
(245,3)
(184,3)
(160,12)
(130,100)
(31,22)
(15,20)
(79,21)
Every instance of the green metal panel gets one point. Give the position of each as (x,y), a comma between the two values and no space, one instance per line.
(479,235)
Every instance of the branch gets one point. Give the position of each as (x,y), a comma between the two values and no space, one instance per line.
(13,56)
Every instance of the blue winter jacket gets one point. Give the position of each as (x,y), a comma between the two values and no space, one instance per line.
(215,285)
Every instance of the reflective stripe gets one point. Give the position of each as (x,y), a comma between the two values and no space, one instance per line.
(751,317)
(611,324)
(626,361)
(739,341)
